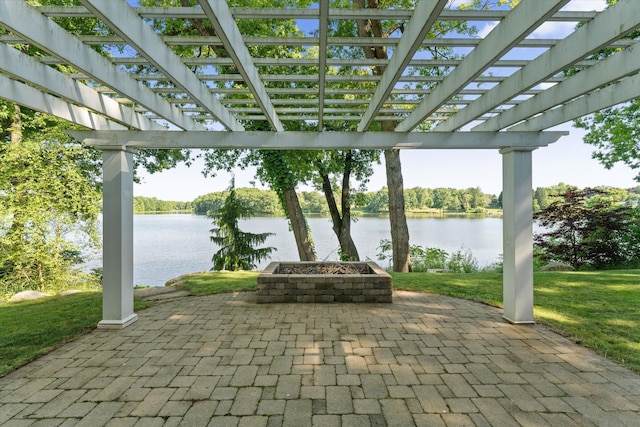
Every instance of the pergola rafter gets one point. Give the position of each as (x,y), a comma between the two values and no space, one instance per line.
(20,66)
(144,40)
(516,26)
(33,98)
(323,26)
(334,13)
(611,25)
(226,28)
(614,94)
(512,85)
(423,18)
(36,29)
(606,71)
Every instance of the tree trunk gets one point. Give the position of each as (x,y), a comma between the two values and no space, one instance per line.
(15,127)
(397,217)
(395,185)
(299,225)
(283,182)
(341,223)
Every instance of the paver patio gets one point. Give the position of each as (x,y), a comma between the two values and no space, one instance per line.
(224,360)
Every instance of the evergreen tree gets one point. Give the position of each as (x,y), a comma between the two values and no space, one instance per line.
(237,251)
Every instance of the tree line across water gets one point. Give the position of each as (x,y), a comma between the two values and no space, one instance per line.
(417,199)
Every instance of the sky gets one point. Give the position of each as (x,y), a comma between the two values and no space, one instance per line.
(568,160)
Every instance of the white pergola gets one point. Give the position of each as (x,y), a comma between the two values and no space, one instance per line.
(145,95)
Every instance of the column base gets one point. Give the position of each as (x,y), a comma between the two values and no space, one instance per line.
(117,324)
(519,322)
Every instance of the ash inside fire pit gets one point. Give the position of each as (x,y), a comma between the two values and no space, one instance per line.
(325,268)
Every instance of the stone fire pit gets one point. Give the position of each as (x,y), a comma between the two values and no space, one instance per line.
(324,282)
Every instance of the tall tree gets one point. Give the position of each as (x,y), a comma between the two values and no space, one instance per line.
(615,134)
(346,163)
(395,185)
(237,251)
(277,172)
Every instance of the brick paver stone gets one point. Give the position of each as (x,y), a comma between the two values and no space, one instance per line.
(219,360)
(297,413)
(339,400)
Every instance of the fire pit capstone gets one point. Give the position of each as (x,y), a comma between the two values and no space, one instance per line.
(277,284)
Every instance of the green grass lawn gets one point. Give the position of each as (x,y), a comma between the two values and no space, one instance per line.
(32,328)
(599,310)
(223,281)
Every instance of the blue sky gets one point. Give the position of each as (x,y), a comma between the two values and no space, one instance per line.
(568,160)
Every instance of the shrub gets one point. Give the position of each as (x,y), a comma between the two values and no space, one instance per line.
(425,259)
(462,261)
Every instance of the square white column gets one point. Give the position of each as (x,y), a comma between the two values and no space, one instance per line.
(517,220)
(117,226)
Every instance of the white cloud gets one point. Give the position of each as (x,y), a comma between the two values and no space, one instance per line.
(551,29)
(586,5)
(482,32)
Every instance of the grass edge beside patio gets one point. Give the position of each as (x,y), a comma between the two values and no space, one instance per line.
(598,310)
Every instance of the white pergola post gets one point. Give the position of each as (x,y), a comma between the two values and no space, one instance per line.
(517,285)
(117,220)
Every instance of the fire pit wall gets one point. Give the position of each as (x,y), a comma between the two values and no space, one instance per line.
(374,286)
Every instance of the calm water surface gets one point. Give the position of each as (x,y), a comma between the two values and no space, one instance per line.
(166,246)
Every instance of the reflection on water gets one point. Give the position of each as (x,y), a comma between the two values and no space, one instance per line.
(166,246)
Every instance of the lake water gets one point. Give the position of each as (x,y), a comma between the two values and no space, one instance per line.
(166,246)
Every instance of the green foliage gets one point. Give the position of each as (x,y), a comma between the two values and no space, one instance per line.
(237,251)
(462,261)
(49,206)
(470,200)
(425,259)
(587,229)
(261,202)
(312,202)
(143,205)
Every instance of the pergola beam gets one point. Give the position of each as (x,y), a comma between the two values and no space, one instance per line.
(306,41)
(37,29)
(125,22)
(612,24)
(522,20)
(424,16)
(267,13)
(24,67)
(225,27)
(312,62)
(316,140)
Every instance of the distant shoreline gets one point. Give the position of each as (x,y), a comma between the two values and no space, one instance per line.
(488,213)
